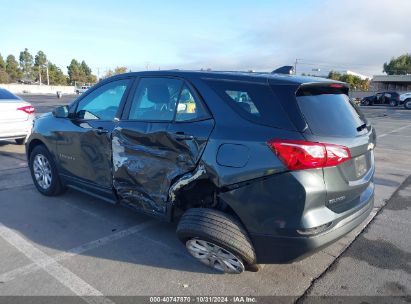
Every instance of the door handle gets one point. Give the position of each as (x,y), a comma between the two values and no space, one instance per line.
(183,136)
(101,130)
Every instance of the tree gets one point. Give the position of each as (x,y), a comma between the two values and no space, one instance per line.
(355,82)
(75,72)
(334,75)
(40,61)
(4,77)
(2,63)
(117,70)
(26,63)
(80,72)
(56,76)
(12,68)
(85,68)
(92,78)
(120,70)
(398,66)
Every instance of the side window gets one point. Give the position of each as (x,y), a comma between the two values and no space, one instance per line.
(244,101)
(155,99)
(103,102)
(188,107)
(255,102)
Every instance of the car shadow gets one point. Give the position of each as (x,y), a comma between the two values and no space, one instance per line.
(59,224)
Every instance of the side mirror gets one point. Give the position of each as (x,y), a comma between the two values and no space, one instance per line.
(61,112)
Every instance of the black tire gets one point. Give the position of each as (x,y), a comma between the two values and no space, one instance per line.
(20,141)
(218,228)
(366,102)
(407,104)
(393,103)
(56,187)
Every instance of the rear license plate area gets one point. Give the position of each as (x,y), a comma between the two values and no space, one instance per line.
(360,164)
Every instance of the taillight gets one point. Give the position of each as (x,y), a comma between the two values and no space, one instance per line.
(299,154)
(27,109)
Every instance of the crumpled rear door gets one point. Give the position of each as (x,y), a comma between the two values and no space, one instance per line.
(149,156)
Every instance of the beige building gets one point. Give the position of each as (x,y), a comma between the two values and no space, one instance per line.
(399,83)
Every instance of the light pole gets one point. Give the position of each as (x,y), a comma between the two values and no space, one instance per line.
(40,74)
(47,73)
(295,65)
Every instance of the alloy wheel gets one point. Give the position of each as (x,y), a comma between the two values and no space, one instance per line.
(42,171)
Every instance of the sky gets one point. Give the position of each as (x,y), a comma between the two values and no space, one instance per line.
(222,35)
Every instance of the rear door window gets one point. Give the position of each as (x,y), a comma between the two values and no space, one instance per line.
(189,108)
(330,114)
(253,101)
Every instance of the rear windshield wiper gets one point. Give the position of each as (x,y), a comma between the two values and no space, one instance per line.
(362,127)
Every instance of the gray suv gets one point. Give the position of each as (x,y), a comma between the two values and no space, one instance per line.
(256,167)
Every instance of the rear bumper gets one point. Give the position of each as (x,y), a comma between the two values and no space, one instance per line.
(281,249)
(13,130)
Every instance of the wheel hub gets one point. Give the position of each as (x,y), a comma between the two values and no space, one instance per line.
(42,171)
(215,256)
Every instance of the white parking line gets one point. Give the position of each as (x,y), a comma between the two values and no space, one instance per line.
(46,260)
(393,131)
(60,273)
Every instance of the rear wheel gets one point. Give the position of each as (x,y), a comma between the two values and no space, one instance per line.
(393,103)
(217,240)
(407,104)
(20,141)
(44,172)
(366,102)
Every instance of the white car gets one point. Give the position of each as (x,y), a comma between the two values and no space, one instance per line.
(406,100)
(82,89)
(16,117)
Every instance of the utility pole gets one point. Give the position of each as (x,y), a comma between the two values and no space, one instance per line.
(295,66)
(47,73)
(40,74)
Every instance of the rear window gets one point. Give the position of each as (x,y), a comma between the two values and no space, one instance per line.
(4,94)
(330,114)
(253,101)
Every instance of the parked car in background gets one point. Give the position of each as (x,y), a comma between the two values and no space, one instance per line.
(256,167)
(16,117)
(390,98)
(82,89)
(405,99)
(25,81)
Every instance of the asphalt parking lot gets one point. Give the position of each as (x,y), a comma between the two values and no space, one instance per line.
(77,245)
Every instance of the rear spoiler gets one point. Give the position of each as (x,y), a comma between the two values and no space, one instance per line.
(287,69)
(317,88)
